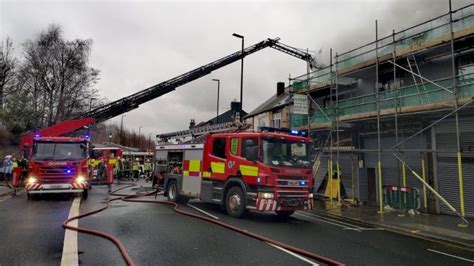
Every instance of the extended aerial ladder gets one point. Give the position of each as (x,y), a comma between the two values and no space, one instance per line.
(133,101)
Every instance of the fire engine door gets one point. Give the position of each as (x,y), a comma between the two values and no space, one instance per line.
(192,172)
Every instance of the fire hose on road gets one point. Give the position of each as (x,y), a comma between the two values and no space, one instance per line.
(135,198)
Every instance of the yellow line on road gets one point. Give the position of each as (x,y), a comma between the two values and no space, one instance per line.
(70,256)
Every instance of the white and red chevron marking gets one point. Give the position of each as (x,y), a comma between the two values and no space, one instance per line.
(33,186)
(78,185)
(266,205)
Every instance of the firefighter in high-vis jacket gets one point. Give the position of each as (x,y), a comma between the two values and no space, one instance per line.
(148,169)
(136,168)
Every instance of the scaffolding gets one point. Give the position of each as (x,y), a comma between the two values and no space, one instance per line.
(427,100)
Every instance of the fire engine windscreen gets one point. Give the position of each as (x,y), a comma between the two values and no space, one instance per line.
(59,151)
(286,153)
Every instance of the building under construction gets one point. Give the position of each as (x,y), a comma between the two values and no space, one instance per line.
(398,111)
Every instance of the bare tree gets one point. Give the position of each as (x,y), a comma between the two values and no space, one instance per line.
(129,138)
(8,63)
(56,74)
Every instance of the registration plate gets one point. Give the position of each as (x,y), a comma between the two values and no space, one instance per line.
(293,183)
(56,186)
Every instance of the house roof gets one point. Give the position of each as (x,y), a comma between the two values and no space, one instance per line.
(223,118)
(272,103)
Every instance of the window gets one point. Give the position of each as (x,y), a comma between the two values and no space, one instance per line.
(218,147)
(250,149)
(59,151)
(277,152)
(277,120)
(234,146)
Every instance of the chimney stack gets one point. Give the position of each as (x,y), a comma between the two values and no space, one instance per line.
(192,124)
(235,106)
(280,88)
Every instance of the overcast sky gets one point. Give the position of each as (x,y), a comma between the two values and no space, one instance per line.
(139,44)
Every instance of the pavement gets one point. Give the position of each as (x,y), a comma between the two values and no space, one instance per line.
(4,190)
(437,227)
(31,234)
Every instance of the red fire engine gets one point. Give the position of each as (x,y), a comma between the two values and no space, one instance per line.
(263,171)
(58,165)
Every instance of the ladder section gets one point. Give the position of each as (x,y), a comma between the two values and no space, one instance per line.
(415,73)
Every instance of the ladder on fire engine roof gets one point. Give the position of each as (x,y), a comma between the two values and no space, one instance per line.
(131,102)
(197,132)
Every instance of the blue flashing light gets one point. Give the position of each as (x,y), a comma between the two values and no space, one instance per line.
(87,136)
(68,171)
(37,135)
(295,132)
(302,183)
(303,133)
(258,179)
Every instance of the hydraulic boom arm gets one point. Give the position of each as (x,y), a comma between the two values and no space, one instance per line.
(128,103)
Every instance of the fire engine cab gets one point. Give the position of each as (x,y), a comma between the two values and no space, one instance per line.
(262,171)
(58,165)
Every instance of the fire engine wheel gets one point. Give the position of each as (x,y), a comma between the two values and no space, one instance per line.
(172,191)
(284,214)
(31,196)
(235,202)
(85,194)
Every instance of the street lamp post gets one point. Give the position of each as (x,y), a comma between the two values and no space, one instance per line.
(121,129)
(149,145)
(218,88)
(241,75)
(139,136)
(90,103)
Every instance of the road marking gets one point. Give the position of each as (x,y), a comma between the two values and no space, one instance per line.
(333,220)
(450,255)
(344,227)
(70,256)
(6,198)
(294,254)
(202,211)
(350,226)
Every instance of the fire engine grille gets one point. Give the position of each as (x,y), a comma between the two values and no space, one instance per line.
(292,182)
(58,174)
(292,193)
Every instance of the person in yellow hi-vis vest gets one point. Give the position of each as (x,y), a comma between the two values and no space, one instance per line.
(148,169)
(136,168)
